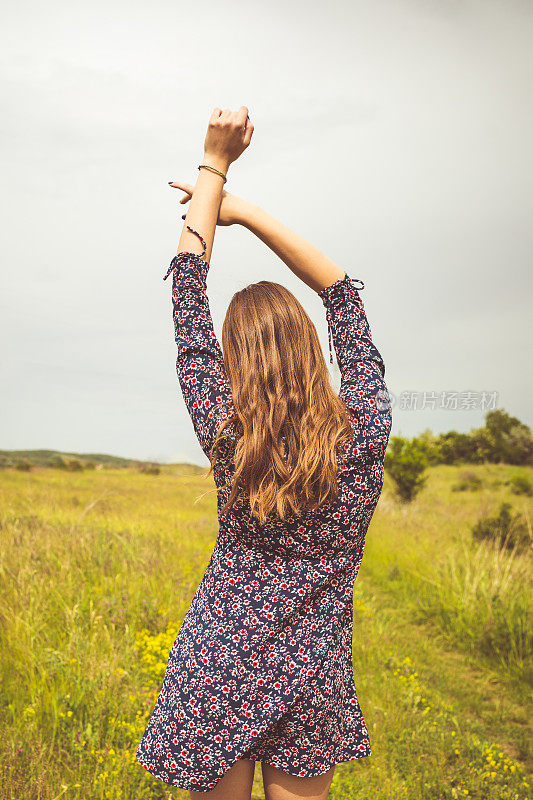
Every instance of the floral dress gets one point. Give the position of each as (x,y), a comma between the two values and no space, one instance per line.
(261,667)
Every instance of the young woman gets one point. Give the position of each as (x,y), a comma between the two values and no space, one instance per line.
(261,669)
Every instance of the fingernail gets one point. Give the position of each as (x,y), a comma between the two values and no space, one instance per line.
(170,182)
(183,216)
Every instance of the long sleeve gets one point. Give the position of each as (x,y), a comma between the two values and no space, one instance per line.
(361,365)
(199,363)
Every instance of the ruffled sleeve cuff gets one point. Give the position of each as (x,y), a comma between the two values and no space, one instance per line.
(336,290)
(189,268)
(334,295)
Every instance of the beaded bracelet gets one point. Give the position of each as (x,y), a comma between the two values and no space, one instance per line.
(214,169)
(173,263)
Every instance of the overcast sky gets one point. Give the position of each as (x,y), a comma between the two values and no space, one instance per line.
(395,136)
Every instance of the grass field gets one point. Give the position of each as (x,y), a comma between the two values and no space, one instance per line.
(97,571)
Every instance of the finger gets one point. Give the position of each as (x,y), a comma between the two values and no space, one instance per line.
(248,133)
(186,197)
(241,117)
(186,187)
(215,114)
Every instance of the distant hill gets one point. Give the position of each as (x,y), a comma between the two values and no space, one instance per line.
(26,459)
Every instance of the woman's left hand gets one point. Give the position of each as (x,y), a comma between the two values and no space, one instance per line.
(231,210)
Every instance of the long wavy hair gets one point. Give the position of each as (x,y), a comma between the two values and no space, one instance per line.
(290,423)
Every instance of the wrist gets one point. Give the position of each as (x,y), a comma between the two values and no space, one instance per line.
(216,161)
(239,209)
(247,213)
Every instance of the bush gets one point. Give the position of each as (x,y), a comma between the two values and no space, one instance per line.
(520,484)
(511,439)
(457,448)
(502,440)
(508,530)
(69,464)
(150,469)
(405,463)
(468,481)
(427,443)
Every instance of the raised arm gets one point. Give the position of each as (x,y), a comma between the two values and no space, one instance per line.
(228,134)
(199,364)
(361,366)
(304,259)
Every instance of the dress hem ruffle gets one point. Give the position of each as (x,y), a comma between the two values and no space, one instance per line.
(181,784)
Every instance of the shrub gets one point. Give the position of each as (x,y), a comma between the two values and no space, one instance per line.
(405,463)
(457,448)
(70,464)
(427,443)
(511,439)
(150,469)
(520,484)
(507,529)
(503,439)
(468,481)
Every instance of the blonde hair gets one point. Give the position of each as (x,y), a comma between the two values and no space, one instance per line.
(290,422)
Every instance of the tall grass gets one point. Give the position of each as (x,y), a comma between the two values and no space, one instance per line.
(98,568)
(87,561)
(481,596)
(478,593)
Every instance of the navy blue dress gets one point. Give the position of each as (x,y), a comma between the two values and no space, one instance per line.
(262,665)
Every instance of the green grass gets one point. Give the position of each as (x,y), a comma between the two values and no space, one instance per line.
(98,568)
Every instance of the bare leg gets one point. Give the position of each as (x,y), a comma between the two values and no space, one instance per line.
(235,784)
(280,785)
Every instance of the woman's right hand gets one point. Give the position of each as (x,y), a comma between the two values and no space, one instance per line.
(232,208)
(228,135)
